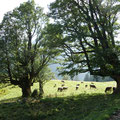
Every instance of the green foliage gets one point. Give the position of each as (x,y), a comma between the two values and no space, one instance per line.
(85,32)
(65,77)
(24,52)
(45,75)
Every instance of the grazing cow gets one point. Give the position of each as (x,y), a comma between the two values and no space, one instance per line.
(92,83)
(63,85)
(60,89)
(86,85)
(81,82)
(65,88)
(55,85)
(63,81)
(77,87)
(108,89)
(92,86)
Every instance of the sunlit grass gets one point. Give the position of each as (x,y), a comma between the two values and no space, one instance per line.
(51,91)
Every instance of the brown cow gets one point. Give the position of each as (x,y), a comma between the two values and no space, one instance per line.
(92,86)
(60,89)
(65,88)
(63,81)
(108,89)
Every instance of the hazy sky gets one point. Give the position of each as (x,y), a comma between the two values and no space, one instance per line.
(8,5)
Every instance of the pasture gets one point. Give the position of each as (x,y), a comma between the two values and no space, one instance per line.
(85,103)
(51,91)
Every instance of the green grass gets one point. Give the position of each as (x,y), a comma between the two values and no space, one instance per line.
(51,91)
(83,104)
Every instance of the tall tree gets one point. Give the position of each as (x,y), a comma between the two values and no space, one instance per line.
(85,32)
(23,51)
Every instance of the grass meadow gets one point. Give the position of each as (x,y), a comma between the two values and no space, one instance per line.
(71,104)
(51,91)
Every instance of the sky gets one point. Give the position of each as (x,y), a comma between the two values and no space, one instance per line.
(8,5)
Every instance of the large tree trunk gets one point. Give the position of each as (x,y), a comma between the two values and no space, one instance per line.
(117,90)
(26,91)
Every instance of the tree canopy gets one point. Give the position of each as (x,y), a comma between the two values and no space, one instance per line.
(85,32)
(23,52)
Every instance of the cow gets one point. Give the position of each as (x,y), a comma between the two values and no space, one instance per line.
(65,88)
(63,81)
(60,89)
(63,85)
(108,89)
(77,87)
(92,86)
(86,85)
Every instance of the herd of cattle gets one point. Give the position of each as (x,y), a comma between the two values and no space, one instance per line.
(63,87)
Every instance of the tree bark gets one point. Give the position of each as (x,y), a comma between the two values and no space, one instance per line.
(26,90)
(41,89)
(117,90)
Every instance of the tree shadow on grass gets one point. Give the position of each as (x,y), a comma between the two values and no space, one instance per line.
(81,107)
